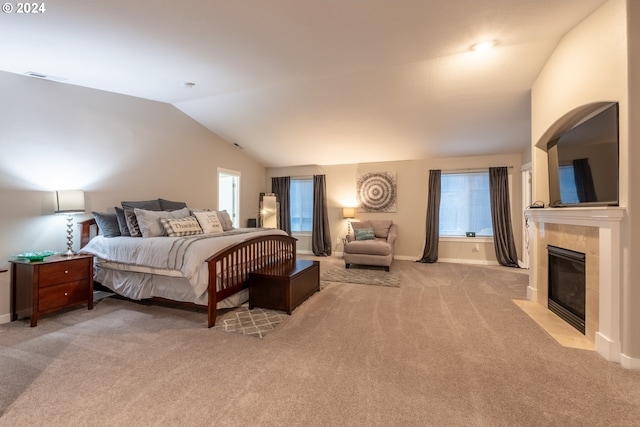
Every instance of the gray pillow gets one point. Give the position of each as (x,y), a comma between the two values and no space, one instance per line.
(122,222)
(149,221)
(107,224)
(168,205)
(130,216)
(225,220)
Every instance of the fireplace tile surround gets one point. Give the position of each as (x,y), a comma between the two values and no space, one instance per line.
(594,231)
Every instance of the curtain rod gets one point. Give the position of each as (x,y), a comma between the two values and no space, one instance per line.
(471,169)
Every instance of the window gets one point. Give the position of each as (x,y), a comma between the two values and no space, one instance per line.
(301,204)
(229,194)
(568,189)
(465,204)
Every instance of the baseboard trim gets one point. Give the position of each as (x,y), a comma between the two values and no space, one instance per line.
(468,261)
(5,318)
(629,362)
(607,348)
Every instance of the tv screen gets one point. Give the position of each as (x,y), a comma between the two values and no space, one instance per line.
(583,162)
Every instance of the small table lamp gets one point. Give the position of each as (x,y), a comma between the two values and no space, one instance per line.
(70,202)
(348,214)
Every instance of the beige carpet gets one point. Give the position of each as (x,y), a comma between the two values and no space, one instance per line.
(447,348)
(362,276)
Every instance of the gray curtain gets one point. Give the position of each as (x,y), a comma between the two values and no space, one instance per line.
(501,217)
(320,234)
(430,253)
(281,186)
(584,180)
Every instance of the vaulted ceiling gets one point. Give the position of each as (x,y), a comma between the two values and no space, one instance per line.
(311,81)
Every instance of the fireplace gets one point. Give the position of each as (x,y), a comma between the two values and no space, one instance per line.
(567,285)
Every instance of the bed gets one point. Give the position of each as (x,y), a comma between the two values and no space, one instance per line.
(206,270)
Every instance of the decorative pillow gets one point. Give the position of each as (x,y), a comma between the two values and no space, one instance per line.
(178,227)
(381,227)
(122,222)
(150,205)
(209,222)
(130,215)
(168,205)
(364,234)
(107,224)
(225,220)
(149,221)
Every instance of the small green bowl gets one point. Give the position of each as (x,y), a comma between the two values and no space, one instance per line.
(35,256)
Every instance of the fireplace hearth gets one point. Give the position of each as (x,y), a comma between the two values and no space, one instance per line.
(567,286)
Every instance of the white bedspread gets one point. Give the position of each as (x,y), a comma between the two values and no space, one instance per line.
(169,256)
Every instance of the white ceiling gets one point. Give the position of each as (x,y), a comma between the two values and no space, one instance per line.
(299,82)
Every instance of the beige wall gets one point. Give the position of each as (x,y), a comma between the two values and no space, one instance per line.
(114,147)
(412,180)
(592,63)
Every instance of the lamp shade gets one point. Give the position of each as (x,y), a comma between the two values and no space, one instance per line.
(348,212)
(70,201)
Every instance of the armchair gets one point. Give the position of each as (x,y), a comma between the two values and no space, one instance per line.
(371,243)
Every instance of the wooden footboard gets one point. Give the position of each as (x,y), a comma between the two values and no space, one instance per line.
(229,269)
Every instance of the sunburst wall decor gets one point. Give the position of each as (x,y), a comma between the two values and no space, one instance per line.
(376,192)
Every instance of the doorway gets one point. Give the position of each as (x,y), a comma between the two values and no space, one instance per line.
(229,194)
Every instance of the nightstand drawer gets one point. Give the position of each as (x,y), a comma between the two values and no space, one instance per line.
(54,297)
(64,272)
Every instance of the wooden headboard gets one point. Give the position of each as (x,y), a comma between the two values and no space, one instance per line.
(89,230)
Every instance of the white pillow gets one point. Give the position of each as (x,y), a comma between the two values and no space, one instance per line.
(209,222)
(149,221)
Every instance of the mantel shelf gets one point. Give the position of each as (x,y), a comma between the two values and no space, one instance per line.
(586,216)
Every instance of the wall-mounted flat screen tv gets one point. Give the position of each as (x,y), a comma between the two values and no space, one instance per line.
(583,162)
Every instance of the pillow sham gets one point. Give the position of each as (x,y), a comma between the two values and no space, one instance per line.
(168,205)
(107,224)
(122,221)
(209,222)
(225,220)
(178,227)
(364,234)
(149,221)
(130,215)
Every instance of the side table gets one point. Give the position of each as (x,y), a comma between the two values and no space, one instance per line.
(58,282)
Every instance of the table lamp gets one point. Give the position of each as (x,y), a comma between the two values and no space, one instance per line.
(69,202)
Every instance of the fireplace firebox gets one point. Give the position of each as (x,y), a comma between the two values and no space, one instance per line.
(567,285)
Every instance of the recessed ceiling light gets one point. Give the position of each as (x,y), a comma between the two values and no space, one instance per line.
(484,46)
(188,85)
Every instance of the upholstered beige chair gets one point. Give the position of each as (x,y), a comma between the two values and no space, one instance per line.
(371,243)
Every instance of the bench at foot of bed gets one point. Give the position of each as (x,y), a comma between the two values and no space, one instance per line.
(284,286)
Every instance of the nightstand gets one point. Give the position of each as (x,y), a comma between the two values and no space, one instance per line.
(58,282)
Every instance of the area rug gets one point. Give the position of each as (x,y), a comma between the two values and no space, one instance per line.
(362,276)
(257,322)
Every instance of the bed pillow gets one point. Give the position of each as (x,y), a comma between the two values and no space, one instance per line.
(107,224)
(168,205)
(149,221)
(178,227)
(225,220)
(209,222)
(122,221)
(130,215)
(364,234)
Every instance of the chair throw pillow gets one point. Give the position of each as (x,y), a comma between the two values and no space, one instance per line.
(364,234)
